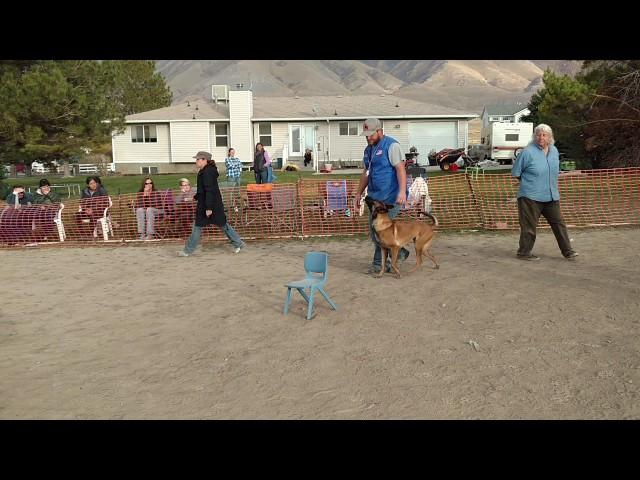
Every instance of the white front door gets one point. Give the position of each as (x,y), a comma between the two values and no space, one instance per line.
(310,137)
(295,141)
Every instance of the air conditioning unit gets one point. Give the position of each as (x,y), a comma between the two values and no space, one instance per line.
(220,93)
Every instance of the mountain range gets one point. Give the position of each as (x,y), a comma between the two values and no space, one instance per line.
(465,85)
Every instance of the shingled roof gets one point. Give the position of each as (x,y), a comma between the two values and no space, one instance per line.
(307,108)
(206,110)
(504,109)
(357,106)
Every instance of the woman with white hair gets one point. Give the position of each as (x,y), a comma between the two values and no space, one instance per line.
(537,168)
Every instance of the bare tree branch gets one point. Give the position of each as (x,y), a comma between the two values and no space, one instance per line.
(633,120)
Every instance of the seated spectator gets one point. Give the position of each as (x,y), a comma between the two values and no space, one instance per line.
(148,205)
(185,206)
(93,200)
(19,198)
(94,188)
(44,194)
(187,192)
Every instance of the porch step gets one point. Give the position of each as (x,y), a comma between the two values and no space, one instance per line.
(299,162)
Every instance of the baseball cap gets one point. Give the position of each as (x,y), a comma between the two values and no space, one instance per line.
(370,126)
(202,154)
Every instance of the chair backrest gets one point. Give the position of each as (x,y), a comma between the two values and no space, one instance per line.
(284,198)
(259,187)
(259,195)
(337,195)
(316,262)
(168,202)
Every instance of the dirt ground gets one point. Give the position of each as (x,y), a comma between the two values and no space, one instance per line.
(137,333)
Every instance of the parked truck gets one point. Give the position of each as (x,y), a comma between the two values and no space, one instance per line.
(502,141)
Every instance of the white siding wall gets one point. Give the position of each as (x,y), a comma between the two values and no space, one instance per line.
(400,134)
(463,133)
(187,138)
(516,118)
(322,137)
(240,113)
(125,151)
(346,147)
(219,152)
(279,138)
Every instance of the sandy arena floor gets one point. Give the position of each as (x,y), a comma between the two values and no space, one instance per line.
(137,333)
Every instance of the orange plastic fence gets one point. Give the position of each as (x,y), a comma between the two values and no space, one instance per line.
(317,207)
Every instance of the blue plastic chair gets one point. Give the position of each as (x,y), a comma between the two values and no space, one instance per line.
(316,265)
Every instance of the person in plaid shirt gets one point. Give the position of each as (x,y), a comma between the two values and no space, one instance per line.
(234,167)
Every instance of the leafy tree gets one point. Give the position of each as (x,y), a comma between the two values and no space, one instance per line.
(58,109)
(136,86)
(595,117)
(613,119)
(562,104)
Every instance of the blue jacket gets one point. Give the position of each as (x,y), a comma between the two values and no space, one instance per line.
(11,199)
(383,180)
(538,173)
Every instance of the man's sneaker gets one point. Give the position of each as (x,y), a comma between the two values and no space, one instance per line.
(237,249)
(530,257)
(182,253)
(374,269)
(572,256)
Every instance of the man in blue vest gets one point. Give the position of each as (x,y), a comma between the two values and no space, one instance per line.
(385,179)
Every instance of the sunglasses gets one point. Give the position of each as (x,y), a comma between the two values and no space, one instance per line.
(148,183)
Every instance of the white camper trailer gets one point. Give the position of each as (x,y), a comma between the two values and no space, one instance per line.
(504,140)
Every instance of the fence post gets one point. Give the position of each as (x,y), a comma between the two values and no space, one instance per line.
(475,201)
(301,203)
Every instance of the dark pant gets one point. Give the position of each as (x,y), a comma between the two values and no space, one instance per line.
(261,176)
(529,212)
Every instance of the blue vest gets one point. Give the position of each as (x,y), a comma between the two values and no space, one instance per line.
(383,181)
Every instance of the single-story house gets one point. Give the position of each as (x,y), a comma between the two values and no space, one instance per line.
(166,139)
(507,112)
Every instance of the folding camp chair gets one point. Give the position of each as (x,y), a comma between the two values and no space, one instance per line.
(259,201)
(337,199)
(284,208)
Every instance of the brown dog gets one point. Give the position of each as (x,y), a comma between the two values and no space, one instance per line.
(395,234)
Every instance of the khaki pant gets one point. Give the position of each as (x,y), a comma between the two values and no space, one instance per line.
(529,212)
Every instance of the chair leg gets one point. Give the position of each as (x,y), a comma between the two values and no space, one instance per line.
(310,307)
(287,301)
(105,229)
(304,295)
(326,297)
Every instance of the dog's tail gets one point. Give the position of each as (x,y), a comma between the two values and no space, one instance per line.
(434,219)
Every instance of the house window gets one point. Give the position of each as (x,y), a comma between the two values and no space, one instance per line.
(136,134)
(264,132)
(222,134)
(148,170)
(144,133)
(511,137)
(349,128)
